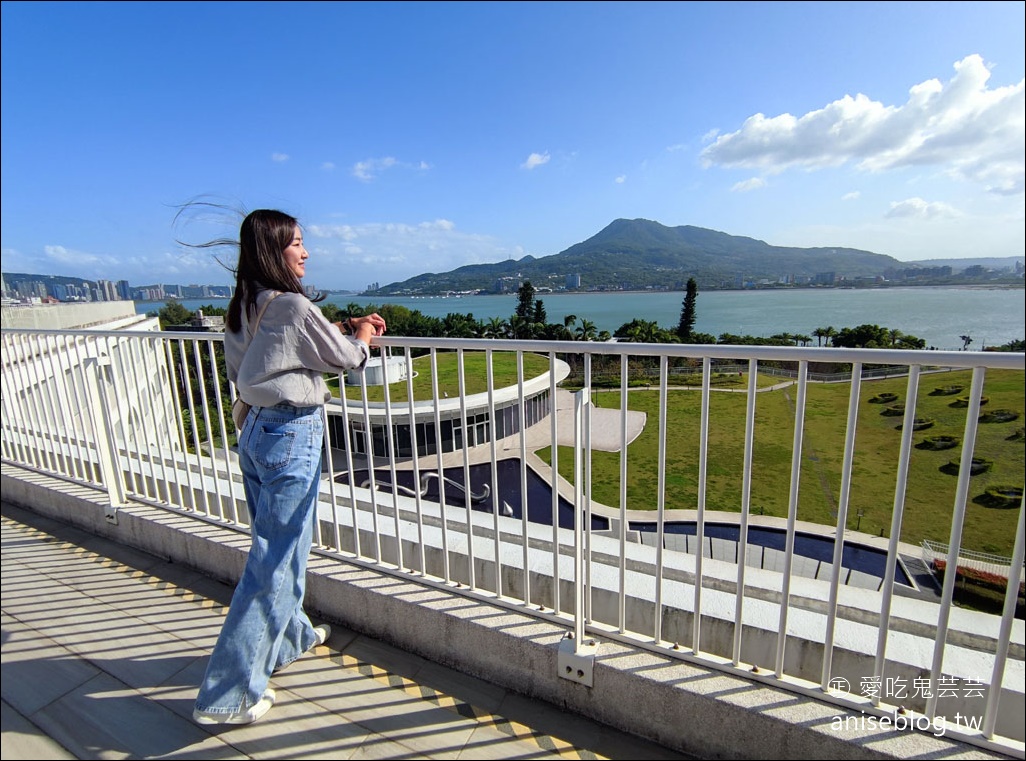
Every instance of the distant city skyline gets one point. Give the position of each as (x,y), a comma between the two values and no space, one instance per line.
(68,288)
(417,137)
(26,286)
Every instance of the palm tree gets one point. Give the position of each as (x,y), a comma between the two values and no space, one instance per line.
(521,327)
(911,342)
(643,331)
(966,340)
(553,331)
(823,335)
(496,327)
(458,325)
(586,331)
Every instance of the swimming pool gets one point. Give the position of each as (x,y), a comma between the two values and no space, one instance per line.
(868,560)
(510,496)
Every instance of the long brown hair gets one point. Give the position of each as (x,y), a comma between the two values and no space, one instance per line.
(263,238)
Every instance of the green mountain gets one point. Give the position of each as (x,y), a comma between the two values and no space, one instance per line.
(634,254)
(51,280)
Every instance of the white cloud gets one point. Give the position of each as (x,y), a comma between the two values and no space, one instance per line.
(65,261)
(971,131)
(369,169)
(391,251)
(852,196)
(328,166)
(92,262)
(749,185)
(182,266)
(920,209)
(621,179)
(279,157)
(536,159)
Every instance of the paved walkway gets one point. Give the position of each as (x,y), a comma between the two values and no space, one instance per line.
(104,646)
(607,425)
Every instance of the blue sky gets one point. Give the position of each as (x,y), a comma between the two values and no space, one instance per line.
(418,137)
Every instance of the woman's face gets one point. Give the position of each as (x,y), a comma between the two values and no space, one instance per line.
(296,254)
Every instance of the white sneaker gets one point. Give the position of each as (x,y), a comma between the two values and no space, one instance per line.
(245,715)
(323,632)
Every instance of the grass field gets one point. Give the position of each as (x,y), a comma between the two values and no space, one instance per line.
(504,372)
(931,482)
(930,493)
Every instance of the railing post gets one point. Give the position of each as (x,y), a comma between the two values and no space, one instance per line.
(576,657)
(97,369)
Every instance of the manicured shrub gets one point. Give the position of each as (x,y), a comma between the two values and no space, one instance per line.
(894,410)
(947,390)
(963,401)
(939,442)
(919,424)
(999,416)
(1002,496)
(976,466)
(883,398)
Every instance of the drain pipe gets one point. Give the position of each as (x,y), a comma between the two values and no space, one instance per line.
(576,658)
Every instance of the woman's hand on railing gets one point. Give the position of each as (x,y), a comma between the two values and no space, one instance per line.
(364,328)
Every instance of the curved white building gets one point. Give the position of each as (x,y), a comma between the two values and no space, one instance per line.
(448,428)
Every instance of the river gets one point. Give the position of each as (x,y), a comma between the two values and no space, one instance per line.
(938,315)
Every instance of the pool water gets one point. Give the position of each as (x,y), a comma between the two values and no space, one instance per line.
(539,510)
(857,557)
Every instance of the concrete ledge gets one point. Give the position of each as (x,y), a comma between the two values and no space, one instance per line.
(691,709)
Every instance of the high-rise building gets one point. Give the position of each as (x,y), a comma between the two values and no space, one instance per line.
(106,290)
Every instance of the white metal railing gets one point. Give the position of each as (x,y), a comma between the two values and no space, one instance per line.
(142,416)
(980,561)
(723,368)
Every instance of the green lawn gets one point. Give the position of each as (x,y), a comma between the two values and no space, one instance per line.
(931,488)
(930,494)
(504,372)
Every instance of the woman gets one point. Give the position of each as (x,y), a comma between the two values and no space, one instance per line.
(279,370)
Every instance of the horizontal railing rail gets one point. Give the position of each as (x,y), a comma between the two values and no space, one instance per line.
(982,561)
(631,515)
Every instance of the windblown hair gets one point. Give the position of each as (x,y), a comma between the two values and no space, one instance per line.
(263,238)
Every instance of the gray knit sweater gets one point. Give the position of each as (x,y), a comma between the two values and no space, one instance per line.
(293,347)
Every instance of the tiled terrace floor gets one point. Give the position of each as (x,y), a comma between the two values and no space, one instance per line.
(103,648)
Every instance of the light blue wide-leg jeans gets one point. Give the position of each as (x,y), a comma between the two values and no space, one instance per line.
(280,451)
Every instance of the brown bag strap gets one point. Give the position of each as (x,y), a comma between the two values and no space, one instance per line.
(260,316)
(256,326)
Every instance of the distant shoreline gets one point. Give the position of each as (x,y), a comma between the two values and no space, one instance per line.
(940,315)
(543,294)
